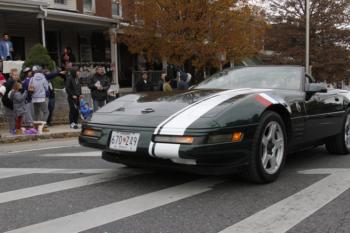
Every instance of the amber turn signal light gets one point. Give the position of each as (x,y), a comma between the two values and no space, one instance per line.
(174,139)
(237,136)
(92,133)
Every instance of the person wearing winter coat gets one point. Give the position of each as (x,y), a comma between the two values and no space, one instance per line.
(99,85)
(40,88)
(7,102)
(18,97)
(166,86)
(144,84)
(73,89)
(51,93)
(28,116)
(183,84)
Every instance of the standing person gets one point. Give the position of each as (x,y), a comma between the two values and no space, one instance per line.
(112,94)
(41,87)
(2,93)
(29,113)
(67,57)
(166,86)
(162,81)
(7,102)
(183,84)
(73,89)
(50,94)
(144,84)
(99,85)
(6,48)
(2,90)
(18,97)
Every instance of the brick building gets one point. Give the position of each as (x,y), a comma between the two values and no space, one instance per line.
(87,26)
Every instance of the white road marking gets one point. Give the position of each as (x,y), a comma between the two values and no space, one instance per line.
(284,215)
(12,172)
(109,213)
(65,185)
(39,149)
(78,154)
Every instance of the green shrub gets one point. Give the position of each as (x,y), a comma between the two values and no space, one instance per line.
(58,83)
(38,55)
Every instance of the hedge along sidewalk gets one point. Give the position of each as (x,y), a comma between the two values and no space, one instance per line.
(58,131)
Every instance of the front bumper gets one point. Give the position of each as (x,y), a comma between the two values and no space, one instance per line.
(218,158)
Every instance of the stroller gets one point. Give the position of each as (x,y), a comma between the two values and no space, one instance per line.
(85,110)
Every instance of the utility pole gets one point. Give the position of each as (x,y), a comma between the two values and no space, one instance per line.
(307,49)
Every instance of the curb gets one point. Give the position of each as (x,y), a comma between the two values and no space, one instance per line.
(27,138)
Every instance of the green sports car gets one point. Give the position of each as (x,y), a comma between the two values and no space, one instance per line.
(239,120)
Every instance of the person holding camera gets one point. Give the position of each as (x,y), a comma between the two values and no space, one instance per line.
(99,85)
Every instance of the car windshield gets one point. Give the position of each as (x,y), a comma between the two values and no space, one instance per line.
(287,78)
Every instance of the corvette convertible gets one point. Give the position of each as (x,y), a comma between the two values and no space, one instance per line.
(242,120)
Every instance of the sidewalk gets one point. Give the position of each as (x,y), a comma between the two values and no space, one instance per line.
(58,131)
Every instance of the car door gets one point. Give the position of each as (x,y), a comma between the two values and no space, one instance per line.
(325,112)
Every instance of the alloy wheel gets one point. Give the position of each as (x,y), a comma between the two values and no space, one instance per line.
(273,147)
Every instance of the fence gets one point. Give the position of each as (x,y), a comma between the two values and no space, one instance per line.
(88,69)
(153,77)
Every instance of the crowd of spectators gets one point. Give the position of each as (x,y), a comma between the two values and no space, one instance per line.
(165,84)
(31,99)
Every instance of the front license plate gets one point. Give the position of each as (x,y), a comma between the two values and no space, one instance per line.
(124,141)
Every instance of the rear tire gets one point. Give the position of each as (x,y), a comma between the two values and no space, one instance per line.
(340,144)
(269,149)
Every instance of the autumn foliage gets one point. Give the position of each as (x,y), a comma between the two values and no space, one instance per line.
(329,36)
(205,32)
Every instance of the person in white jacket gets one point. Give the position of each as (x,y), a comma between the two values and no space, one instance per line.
(40,87)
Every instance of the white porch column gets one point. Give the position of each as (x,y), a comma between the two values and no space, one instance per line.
(41,17)
(114,54)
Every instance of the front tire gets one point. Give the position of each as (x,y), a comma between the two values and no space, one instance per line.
(340,144)
(269,149)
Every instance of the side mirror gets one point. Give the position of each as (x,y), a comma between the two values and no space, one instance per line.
(316,88)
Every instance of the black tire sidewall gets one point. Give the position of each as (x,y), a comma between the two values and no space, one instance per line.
(346,149)
(266,118)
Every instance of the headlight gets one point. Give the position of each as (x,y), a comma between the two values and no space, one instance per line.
(92,133)
(222,138)
(174,139)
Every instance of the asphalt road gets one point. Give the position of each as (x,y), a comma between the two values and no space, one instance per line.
(60,187)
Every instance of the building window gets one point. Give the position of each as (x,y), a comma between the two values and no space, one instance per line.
(60,1)
(89,6)
(116,8)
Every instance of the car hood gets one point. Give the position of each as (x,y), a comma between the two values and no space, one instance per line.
(149,109)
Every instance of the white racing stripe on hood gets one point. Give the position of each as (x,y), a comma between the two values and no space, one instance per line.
(178,123)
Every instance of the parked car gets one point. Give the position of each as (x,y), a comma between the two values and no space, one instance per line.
(240,120)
